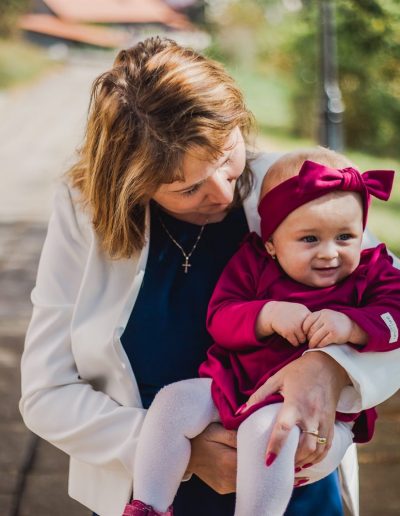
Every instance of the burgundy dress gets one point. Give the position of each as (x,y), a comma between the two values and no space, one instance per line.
(239,363)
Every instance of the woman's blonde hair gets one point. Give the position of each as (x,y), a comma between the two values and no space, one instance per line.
(157,102)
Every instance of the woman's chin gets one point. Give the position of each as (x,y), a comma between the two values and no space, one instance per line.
(212,209)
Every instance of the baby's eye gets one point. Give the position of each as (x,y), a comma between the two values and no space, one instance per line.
(344,236)
(192,190)
(309,239)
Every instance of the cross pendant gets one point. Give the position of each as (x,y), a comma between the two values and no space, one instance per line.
(186,265)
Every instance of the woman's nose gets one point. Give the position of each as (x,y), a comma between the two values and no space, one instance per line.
(220,189)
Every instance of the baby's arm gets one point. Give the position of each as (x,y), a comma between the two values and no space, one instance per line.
(234,305)
(284,318)
(237,317)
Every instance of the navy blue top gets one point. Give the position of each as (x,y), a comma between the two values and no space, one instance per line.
(166,339)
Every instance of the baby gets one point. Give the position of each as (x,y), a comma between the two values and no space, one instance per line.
(305,283)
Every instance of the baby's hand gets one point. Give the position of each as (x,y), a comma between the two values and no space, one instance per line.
(327,327)
(283,318)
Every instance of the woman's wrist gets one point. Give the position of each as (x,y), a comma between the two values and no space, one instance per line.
(329,366)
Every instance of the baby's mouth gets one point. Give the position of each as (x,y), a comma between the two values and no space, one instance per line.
(326,269)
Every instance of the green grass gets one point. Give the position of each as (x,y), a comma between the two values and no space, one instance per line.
(383,217)
(267,97)
(20,63)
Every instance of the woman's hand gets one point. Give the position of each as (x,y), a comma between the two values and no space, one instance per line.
(311,386)
(213,458)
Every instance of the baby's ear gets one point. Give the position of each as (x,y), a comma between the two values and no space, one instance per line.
(269,246)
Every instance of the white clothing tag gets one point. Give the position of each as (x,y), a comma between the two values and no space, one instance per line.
(391,324)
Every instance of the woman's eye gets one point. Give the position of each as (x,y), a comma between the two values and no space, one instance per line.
(192,191)
(345,236)
(309,239)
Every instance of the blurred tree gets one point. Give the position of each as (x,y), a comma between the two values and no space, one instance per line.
(369,57)
(281,37)
(9,12)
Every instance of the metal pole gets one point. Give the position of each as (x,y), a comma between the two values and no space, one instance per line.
(332,108)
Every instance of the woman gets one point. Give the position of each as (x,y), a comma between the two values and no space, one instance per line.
(159,200)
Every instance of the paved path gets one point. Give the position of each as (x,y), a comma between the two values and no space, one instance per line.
(39,129)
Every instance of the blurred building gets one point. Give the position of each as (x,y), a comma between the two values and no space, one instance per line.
(107,23)
(194,9)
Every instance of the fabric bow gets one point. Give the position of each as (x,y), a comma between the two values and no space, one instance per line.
(315,180)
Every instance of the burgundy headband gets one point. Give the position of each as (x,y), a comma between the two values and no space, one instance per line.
(315,180)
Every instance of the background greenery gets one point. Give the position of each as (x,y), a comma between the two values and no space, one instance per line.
(9,12)
(271,47)
(278,40)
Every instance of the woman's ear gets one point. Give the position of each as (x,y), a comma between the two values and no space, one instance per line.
(269,246)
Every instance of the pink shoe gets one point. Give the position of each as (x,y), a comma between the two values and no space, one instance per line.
(138,508)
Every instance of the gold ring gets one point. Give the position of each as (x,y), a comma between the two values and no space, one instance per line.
(311,432)
(321,440)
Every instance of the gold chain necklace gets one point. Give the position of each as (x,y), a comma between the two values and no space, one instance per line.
(186,255)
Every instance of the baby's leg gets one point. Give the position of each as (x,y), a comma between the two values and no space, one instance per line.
(262,490)
(179,412)
(342,439)
(266,491)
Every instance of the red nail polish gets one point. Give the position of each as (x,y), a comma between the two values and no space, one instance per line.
(302,481)
(308,465)
(241,409)
(296,470)
(270,458)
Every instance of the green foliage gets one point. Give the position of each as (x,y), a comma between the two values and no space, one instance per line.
(9,12)
(265,38)
(20,62)
(368,54)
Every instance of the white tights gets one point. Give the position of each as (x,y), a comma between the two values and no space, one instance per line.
(182,410)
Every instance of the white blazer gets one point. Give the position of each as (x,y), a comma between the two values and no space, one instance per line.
(78,388)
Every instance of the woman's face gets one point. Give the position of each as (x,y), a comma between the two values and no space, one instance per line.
(208,188)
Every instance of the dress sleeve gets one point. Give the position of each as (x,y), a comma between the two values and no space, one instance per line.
(56,403)
(379,313)
(234,307)
(374,376)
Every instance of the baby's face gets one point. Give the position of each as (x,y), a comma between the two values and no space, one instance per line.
(319,243)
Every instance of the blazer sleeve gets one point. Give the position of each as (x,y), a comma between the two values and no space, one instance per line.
(56,403)
(234,307)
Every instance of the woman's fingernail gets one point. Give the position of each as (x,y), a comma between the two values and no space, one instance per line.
(296,470)
(308,465)
(241,409)
(270,458)
(301,481)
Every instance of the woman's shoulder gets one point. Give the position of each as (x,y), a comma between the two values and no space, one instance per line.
(70,211)
(261,161)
